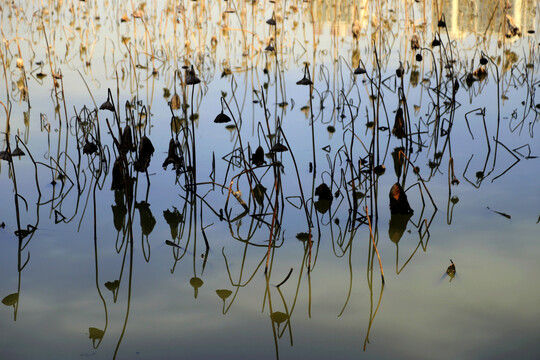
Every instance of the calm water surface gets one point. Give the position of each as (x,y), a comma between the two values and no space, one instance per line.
(164,269)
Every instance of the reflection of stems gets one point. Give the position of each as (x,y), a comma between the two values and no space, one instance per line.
(267,276)
(372,316)
(374,245)
(130,230)
(96,263)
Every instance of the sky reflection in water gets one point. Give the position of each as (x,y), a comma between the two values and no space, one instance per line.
(339,310)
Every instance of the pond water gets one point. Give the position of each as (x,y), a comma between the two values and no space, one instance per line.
(208,247)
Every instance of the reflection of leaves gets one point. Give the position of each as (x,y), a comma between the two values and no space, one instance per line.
(96,333)
(119,210)
(398,160)
(258,192)
(112,285)
(398,200)
(176,102)
(11,299)
(118,178)
(303,236)
(223,293)
(196,283)
(323,192)
(322,206)
(397,226)
(258,157)
(146,150)
(325,198)
(147,219)
(177,124)
(22,233)
(173,218)
(278,317)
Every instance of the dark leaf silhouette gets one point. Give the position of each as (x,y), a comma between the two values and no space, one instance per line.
(177,161)
(222,118)
(397,226)
(278,147)
(173,218)
(398,200)
(112,285)
(191,78)
(303,236)
(119,210)
(147,219)
(146,150)
(399,125)
(90,148)
(118,175)
(257,158)
(258,192)
(17,152)
(126,140)
(325,198)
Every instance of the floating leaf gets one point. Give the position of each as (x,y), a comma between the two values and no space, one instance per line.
(451,270)
(95,333)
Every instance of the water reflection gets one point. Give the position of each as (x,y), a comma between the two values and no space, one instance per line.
(462,16)
(266,203)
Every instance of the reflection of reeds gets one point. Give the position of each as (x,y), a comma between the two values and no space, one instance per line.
(257,181)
